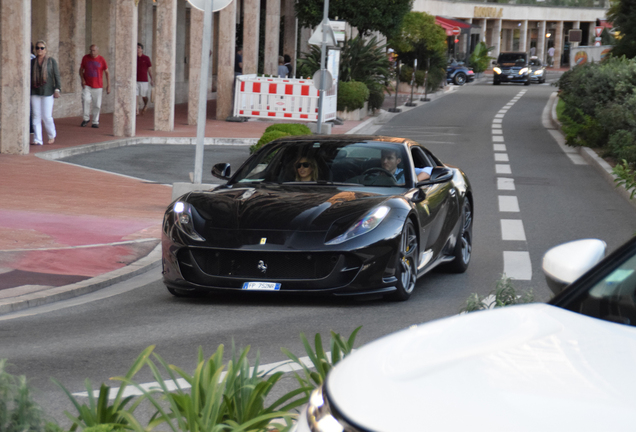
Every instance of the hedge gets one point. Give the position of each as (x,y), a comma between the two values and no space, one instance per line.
(280,130)
(352,95)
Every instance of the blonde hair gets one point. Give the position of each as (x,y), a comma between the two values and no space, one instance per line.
(41,42)
(312,163)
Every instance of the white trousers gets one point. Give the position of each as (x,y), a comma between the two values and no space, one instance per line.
(92,98)
(42,107)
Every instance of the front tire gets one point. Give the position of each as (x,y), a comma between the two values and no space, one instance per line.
(406,266)
(527,83)
(460,79)
(496,82)
(464,246)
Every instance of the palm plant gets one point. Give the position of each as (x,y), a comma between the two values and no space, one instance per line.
(503,295)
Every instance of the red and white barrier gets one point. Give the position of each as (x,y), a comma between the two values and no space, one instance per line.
(282,98)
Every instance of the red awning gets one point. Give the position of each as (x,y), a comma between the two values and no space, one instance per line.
(450,24)
(608,25)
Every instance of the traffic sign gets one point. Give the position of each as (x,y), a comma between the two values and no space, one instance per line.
(456,31)
(598,31)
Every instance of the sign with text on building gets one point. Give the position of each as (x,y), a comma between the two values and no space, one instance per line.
(339,29)
(488,12)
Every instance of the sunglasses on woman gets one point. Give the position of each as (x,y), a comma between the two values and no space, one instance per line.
(302,164)
(40,48)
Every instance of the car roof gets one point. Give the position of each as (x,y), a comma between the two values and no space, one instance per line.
(346,138)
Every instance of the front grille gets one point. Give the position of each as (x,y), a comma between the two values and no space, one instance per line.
(279,265)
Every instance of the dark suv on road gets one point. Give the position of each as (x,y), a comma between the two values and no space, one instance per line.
(511,67)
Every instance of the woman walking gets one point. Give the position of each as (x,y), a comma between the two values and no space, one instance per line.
(45,86)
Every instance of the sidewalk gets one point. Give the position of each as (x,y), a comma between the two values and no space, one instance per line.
(67,230)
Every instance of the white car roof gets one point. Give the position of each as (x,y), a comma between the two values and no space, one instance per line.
(522,368)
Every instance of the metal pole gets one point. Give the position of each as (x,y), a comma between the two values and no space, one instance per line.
(323,52)
(395,109)
(411,103)
(428,66)
(203,89)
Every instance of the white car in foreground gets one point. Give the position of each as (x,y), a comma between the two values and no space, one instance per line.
(538,367)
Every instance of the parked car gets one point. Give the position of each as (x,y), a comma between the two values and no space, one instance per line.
(566,365)
(358,226)
(459,74)
(511,67)
(536,70)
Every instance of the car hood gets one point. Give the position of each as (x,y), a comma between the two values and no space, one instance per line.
(281,207)
(534,367)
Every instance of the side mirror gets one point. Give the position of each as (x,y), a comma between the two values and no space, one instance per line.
(222,171)
(565,263)
(438,175)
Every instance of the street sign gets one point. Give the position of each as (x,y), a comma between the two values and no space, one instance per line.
(316,37)
(456,31)
(597,43)
(598,31)
(598,39)
(217,5)
(328,80)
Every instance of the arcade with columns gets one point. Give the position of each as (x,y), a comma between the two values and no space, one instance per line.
(171,32)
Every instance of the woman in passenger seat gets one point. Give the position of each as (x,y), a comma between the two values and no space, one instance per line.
(306,169)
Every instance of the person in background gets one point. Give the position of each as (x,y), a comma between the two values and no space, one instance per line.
(282,69)
(533,51)
(238,62)
(143,74)
(288,65)
(91,73)
(551,56)
(45,87)
(31,109)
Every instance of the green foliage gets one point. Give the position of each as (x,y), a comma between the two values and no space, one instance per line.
(367,16)
(290,128)
(626,176)
(266,138)
(422,39)
(504,294)
(376,96)
(479,59)
(101,428)
(622,14)
(352,95)
(322,363)
(18,411)
(102,411)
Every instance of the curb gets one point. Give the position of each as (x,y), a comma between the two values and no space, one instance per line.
(591,157)
(66,292)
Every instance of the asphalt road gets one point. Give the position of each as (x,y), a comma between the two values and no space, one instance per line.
(99,336)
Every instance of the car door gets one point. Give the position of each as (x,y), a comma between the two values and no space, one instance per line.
(438,212)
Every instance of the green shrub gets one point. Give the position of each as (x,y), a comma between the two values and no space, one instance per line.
(621,145)
(479,59)
(376,96)
(352,95)
(290,128)
(266,138)
(504,294)
(626,176)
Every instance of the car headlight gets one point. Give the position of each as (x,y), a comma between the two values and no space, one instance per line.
(363,225)
(496,70)
(183,220)
(523,71)
(538,72)
(319,417)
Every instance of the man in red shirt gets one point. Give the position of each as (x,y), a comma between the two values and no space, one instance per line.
(143,72)
(91,72)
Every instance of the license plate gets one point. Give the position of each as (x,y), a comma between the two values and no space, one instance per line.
(261,286)
(510,76)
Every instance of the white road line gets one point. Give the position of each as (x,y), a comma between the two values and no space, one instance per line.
(501,157)
(498,116)
(496,126)
(508,204)
(503,169)
(512,229)
(497,120)
(498,139)
(505,183)
(499,147)
(497,132)
(267,369)
(517,265)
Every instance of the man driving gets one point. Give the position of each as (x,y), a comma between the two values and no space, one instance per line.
(390,161)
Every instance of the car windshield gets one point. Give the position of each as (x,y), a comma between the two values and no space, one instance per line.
(372,163)
(510,59)
(535,63)
(614,297)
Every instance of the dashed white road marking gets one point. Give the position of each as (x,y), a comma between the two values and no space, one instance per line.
(497,132)
(512,229)
(496,126)
(504,183)
(497,120)
(503,169)
(499,147)
(499,116)
(497,139)
(517,265)
(508,204)
(501,157)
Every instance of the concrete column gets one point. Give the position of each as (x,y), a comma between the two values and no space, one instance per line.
(484,28)
(101,32)
(45,25)
(194,71)
(15,76)
(145,27)
(226,53)
(72,37)
(251,24)
(496,38)
(125,80)
(523,37)
(272,37)
(541,42)
(575,25)
(164,64)
(181,39)
(291,30)
(558,44)
(303,44)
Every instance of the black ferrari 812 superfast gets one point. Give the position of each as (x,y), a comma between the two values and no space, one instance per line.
(337,214)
